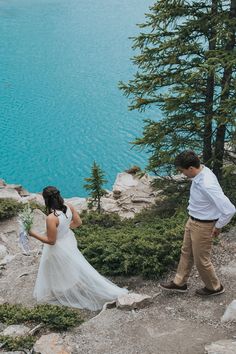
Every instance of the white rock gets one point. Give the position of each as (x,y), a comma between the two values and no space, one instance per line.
(7,259)
(227,346)
(3,252)
(109,205)
(14,352)
(15,330)
(9,193)
(141,199)
(51,344)
(36,197)
(2,183)
(230,313)
(80,204)
(133,301)
(124,181)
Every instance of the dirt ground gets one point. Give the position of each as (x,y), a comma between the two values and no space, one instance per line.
(173,323)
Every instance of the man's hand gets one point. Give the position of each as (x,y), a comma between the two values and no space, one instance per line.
(215,232)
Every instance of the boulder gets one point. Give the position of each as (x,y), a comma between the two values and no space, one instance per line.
(15,330)
(227,346)
(51,344)
(133,301)
(2,183)
(124,181)
(9,193)
(230,313)
(35,197)
(80,204)
(23,192)
(109,205)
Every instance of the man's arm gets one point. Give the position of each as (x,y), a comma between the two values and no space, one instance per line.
(223,204)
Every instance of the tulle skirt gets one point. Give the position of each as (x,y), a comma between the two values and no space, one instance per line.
(65,277)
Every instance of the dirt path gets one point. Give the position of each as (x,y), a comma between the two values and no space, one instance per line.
(179,324)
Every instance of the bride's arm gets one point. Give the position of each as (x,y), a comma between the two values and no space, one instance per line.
(51,234)
(76,221)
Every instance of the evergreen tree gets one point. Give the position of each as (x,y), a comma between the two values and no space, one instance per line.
(186,70)
(94,185)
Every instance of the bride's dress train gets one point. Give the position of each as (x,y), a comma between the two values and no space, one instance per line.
(65,277)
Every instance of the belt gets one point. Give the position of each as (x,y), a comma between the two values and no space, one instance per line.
(195,219)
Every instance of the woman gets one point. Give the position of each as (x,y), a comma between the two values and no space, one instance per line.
(64,276)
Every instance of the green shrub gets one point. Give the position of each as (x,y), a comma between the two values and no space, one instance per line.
(101,219)
(142,246)
(17,343)
(9,208)
(51,316)
(54,317)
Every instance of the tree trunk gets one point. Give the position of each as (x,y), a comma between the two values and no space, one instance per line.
(225,89)
(207,136)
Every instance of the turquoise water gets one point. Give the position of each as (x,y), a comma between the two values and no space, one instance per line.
(60,107)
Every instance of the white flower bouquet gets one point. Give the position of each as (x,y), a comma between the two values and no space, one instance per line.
(26,222)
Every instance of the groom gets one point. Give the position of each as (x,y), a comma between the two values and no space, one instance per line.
(209,210)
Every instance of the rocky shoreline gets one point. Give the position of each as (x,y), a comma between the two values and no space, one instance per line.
(129,195)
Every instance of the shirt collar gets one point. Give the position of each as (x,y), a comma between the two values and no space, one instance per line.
(198,177)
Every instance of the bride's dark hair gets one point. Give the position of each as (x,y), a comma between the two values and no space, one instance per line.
(53,200)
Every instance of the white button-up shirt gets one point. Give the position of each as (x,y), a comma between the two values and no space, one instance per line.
(207,200)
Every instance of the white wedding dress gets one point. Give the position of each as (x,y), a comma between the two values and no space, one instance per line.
(65,277)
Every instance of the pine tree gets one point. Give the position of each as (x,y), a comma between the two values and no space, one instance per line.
(94,185)
(186,70)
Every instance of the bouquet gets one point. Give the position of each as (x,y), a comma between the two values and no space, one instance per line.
(26,222)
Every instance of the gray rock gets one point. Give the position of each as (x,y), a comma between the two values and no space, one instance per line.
(124,181)
(35,197)
(227,346)
(141,199)
(116,194)
(9,193)
(15,330)
(3,252)
(80,204)
(109,205)
(133,301)
(2,183)
(230,313)
(23,192)
(24,352)
(51,344)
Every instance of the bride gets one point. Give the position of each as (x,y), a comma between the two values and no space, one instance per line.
(64,276)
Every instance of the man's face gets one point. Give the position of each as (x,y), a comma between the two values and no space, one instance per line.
(189,172)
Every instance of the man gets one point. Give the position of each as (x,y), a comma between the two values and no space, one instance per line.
(209,210)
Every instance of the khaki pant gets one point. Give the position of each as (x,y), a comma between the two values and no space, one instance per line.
(196,249)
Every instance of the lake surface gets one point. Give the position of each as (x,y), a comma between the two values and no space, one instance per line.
(60,106)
